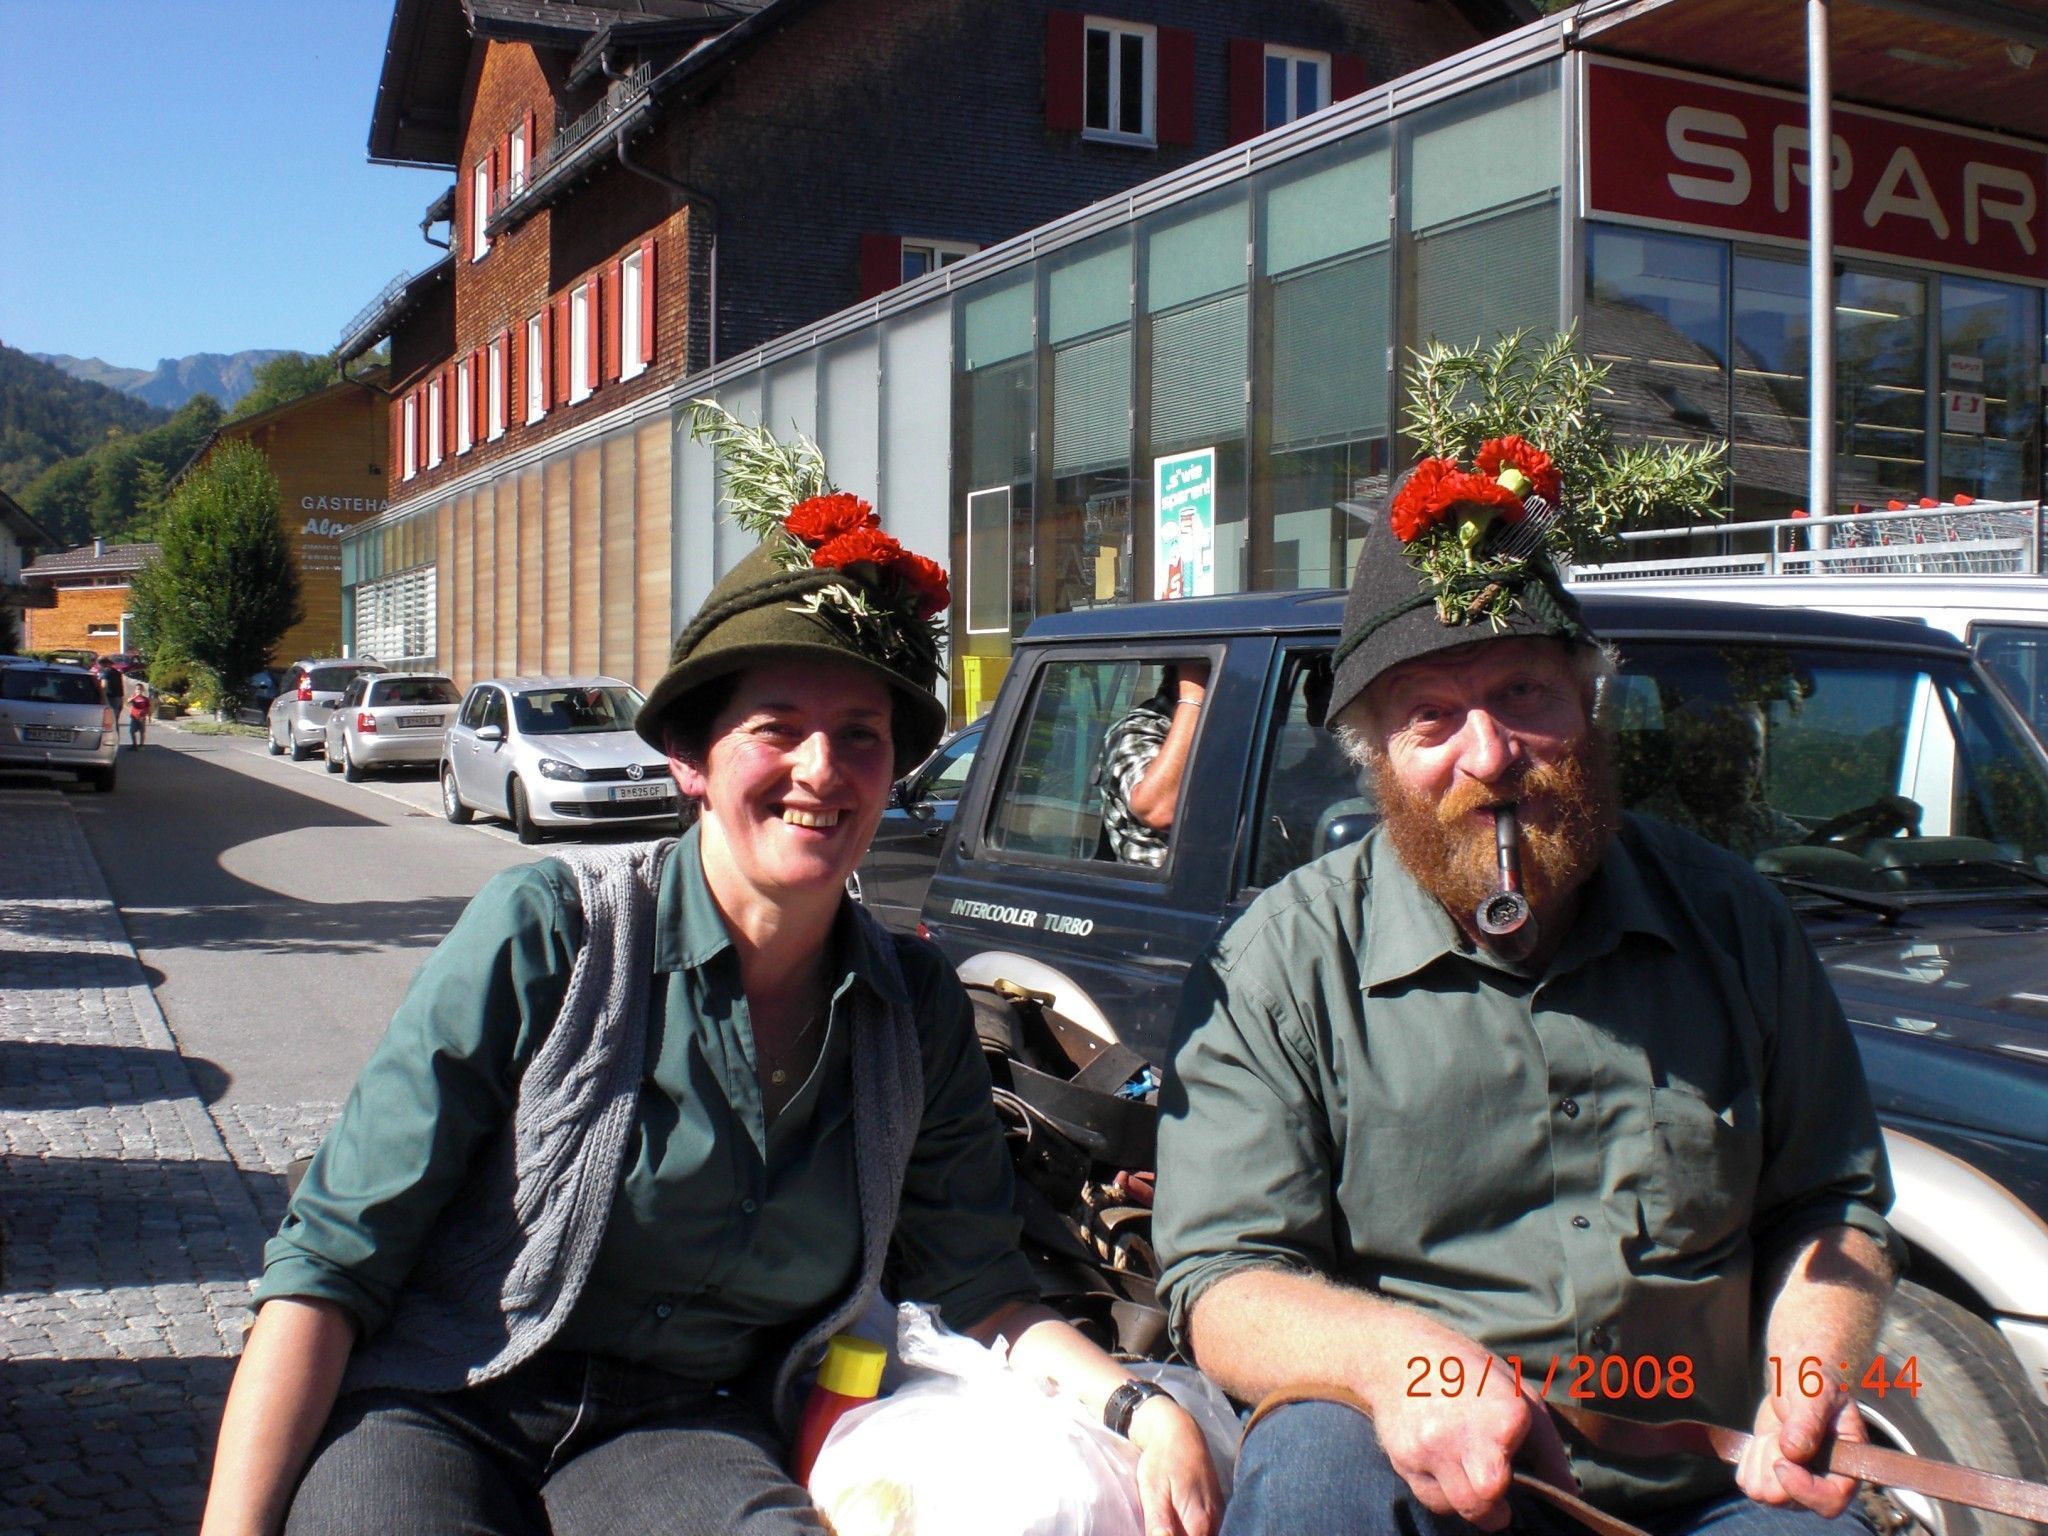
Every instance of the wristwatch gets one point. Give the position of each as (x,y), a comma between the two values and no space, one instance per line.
(1124,1402)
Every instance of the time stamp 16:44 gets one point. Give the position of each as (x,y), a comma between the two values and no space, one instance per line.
(1615,1378)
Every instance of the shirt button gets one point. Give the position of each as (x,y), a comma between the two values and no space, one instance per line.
(749,1207)
(1570,1108)
(1600,1338)
(1581,1223)
(663,1310)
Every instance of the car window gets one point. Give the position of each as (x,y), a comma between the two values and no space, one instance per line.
(948,776)
(412,690)
(473,707)
(494,708)
(353,694)
(32,685)
(334,679)
(1312,799)
(2017,655)
(575,711)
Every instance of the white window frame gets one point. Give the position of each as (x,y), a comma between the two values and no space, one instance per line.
(434,417)
(1295,56)
(536,396)
(1148,36)
(632,295)
(580,319)
(408,431)
(465,406)
(943,253)
(495,422)
(516,171)
(479,209)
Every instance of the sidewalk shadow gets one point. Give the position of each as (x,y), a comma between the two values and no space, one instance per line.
(65,970)
(96,1223)
(115,1444)
(53,1075)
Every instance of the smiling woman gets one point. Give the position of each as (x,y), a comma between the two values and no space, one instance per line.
(652,1122)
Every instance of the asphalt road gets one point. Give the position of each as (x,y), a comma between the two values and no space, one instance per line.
(280,911)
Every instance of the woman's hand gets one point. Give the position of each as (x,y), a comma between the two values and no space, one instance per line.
(1176,1482)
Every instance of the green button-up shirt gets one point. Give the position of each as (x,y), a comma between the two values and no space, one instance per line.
(1594,1160)
(728,1230)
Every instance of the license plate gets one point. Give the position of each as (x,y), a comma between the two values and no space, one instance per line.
(641,792)
(55,733)
(410,722)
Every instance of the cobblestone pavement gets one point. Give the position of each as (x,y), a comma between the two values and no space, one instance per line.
(130,1232)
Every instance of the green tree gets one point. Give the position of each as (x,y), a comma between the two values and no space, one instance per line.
(225,589)
(287,377)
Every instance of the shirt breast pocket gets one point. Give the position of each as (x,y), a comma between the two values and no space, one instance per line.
(1700,1188)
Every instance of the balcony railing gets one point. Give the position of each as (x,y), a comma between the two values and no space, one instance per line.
(370,311)
(571,134)
(1989,538)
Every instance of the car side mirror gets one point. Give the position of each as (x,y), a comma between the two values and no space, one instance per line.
(902,794)
(490,733)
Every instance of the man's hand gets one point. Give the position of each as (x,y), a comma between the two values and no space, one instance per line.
(1455,1452)
(1790,1433)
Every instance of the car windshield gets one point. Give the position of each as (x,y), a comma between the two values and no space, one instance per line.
(413,690)
(31,685)
(333,679)
(575,711)
(1849,770)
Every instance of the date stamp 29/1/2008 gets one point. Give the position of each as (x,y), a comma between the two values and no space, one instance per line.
(1620,1378)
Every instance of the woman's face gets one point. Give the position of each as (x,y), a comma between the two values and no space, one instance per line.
(794,780)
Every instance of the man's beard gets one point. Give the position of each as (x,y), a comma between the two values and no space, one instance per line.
(1451,853)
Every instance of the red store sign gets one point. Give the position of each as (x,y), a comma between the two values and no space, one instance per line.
(1689,153)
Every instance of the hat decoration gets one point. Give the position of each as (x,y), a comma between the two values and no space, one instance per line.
(885,599)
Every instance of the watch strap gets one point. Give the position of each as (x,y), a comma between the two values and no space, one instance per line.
(1124,1403)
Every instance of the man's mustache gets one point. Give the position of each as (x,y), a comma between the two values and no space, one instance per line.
(1518,784)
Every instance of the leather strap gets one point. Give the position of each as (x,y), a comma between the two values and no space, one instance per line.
(1943,1480)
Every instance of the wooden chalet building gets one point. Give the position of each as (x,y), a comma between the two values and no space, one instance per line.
(81,597)
(645,187)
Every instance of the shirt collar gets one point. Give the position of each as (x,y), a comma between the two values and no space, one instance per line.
(690,931)
(1409,928)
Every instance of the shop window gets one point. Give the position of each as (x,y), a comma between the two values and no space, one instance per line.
(1989,365)
(1657,318)
(1119,68)
(582,377)
(632,305)
(409,436)
(1079,536)
(1297,83)
(1880,388)
(536,369)
(1773,351)
(479,209)
(465,405)
(1324,305)
(996,421)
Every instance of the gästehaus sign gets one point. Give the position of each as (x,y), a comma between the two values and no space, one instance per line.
(1677,151)
(318,534)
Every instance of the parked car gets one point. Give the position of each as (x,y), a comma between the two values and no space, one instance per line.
(306,696)
(386,718)
(553,752)
(892,878)
(1911,839)
(56,717)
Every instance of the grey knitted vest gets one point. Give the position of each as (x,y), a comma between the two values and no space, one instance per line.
(507,1262)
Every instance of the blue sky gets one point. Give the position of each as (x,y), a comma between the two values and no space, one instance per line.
(188,176)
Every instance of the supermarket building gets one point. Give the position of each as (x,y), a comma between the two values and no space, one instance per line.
(1192,386)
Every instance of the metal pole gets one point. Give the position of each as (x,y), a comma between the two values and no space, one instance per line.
(1820,202)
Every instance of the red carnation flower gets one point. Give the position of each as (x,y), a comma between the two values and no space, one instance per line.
(1466,488)
(859,545)
(822,518)
(1420,505)
(1497,453)
(926,580)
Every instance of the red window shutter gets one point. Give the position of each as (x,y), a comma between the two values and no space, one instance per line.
(532,143)
(1176,110)
(497,179)
(614,320)
(502,171)
(881,264)
(1065,46)
(1347,76)
(515,375)
(647,300)
(1247,89)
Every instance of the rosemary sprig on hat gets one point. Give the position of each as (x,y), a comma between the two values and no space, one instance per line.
(889,600)
(1519,465)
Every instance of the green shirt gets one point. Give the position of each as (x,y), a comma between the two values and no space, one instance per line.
(1591,1161)
(728,1232)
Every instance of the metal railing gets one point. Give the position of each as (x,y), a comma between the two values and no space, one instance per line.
(370,311)
(625,92)
(1986,538)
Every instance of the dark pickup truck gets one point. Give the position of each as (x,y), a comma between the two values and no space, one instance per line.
(1907,824)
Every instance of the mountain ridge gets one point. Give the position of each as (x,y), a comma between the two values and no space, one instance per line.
(227,376)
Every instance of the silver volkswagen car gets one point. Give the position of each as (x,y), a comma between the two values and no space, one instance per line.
(57,717)
(386,718)
(552,752)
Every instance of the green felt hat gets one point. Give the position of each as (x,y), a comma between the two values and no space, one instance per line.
(764,614)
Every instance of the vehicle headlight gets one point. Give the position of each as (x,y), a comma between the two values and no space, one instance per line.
(555,768)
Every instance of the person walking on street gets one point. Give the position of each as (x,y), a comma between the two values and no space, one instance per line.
(138,715)
(110,686)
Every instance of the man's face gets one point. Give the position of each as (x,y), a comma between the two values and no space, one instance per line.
(1499,722)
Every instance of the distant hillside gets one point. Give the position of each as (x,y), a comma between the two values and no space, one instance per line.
(225,376)
(47,415)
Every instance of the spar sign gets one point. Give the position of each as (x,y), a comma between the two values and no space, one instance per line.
(1683,152)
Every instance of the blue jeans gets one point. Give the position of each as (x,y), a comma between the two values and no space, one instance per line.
(1316,1469)
(565,1445)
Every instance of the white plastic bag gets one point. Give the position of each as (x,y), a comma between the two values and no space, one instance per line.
(967,1447)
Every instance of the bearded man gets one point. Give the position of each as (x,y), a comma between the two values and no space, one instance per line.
(1425,1175)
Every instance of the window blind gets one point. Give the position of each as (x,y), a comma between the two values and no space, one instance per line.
(1199,355)
(1091,404)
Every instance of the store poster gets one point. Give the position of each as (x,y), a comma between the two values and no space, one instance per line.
(1184,499)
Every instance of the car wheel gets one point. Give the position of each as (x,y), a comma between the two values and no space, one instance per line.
(332,765)
(103,781)
(350,768)
(1973,1405)
(522,816)
(270,741)
(451,799)
(300,751)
